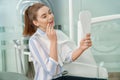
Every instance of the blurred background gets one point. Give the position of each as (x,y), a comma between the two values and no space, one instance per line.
(105,35)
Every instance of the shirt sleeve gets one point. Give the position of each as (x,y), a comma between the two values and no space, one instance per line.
(39,55)
(67,50)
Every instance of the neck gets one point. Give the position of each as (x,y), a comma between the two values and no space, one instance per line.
(42,29)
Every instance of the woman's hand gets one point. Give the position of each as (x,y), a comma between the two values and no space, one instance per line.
(53,40)
(51,33)
(86,42)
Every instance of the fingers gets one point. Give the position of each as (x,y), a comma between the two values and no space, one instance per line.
(88,43)
(47,29)
(50,29)
(87,40)
(51,33)
(88,35)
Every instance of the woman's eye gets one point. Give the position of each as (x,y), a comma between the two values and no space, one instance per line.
(44,16)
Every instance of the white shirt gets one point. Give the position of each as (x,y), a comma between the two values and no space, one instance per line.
(47,68)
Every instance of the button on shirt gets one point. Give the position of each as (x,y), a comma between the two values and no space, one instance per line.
(45,67)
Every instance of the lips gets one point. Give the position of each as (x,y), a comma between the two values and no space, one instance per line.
(51,22)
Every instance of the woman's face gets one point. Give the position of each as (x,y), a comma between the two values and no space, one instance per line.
(44,18)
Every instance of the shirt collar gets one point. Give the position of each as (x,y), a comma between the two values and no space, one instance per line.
(40,31)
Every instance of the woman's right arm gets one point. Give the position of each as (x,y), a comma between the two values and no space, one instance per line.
(39,56)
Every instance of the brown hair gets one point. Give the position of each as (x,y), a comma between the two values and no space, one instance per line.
(29,16)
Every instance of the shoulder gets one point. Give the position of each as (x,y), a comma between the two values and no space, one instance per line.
(33,37)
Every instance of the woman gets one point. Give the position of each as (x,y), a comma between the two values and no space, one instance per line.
(49,48)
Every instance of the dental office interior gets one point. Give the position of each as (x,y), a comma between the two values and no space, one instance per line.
(75,18)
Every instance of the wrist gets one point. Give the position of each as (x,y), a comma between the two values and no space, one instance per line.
(53,42)
(81,49)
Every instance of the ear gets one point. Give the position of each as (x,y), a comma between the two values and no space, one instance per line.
(35,22)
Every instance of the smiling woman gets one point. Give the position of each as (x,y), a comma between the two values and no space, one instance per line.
(49,47)
(40,19)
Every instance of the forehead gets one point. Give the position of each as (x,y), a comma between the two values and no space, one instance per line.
(43,10)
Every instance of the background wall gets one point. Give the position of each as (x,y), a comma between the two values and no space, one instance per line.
(61,13)
(9,31)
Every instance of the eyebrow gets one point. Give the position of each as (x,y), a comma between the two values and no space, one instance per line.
(45,13)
